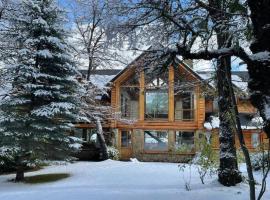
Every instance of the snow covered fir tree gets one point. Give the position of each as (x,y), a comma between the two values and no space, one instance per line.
(41,100)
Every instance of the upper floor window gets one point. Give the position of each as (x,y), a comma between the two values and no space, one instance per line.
(183,96)
(156,94)
(129,102)
(184,105)
(129,97)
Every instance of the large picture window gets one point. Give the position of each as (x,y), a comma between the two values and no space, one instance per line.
(156,140)
(156,104)
(184,141)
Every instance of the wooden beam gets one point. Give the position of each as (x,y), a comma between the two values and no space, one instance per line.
(142,99)
(117,98)
(171,94)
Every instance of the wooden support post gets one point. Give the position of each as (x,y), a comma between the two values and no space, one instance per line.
(142,99)
(171,94)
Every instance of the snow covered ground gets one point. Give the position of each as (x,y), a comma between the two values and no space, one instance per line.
(115,180)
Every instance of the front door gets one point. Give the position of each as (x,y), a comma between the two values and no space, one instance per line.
(126,144)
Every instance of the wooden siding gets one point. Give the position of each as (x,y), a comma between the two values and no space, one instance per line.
(209,106)
(247,138)
(200,108)
(244,106)
(176,125)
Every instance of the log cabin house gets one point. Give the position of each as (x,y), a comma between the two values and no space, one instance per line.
(163,108)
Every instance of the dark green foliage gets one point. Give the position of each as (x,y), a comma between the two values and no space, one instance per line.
(41,100)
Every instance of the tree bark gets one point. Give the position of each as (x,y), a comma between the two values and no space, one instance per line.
(19,174)
(228,173)
(101,139)
(259,71)
(251,181)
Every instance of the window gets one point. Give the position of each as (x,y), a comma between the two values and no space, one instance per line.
(156,104)
(184,105)
(156,94)
(125,139)
(129,101)
(255,140)
(184,141)
(156,140)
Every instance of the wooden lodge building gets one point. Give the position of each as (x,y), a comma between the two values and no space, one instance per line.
(163,108)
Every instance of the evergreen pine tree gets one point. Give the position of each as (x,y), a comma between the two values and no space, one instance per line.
(42,100)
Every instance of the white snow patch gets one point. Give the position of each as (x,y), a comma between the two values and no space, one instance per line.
(238,82)
(117,180)
(261,56)
(214,123)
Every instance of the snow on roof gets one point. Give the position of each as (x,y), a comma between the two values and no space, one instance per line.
(240,83)
(100,80)
(254,123)
(208,77)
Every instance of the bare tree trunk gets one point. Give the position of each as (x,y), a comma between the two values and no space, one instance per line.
(101,140)
(228,173)
(266,170)
(90,66)
(240,134)
(19,174)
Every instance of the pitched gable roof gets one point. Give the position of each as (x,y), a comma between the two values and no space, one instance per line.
(154,59)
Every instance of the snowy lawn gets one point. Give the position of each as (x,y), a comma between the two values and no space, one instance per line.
(121,181)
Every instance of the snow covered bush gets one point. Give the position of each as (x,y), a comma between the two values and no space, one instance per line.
(113,153)
(259,160)
(206,160)
(7,163)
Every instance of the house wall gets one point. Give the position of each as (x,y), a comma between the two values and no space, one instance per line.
(247,137)
(138,126)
